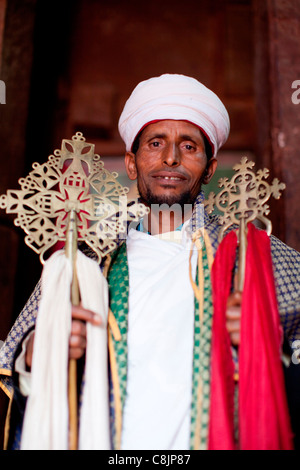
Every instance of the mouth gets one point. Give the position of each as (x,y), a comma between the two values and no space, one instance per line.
(169,176)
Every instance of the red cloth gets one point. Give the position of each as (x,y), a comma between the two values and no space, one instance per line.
(264,422)
(221,428)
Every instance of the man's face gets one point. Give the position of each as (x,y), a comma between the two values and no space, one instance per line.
(170,164)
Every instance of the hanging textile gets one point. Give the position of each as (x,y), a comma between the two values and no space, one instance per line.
(46,417)
(263,412)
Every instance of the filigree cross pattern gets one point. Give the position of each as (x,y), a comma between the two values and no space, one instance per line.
(73,178)
(244,197)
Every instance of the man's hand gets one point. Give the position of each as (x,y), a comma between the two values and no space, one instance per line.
(80,316)
(233,317)
(77,343)
(29,351)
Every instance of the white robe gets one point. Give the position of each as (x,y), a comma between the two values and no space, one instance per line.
(160,343)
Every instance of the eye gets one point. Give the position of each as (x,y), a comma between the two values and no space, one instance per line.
(188,146)
(155,143)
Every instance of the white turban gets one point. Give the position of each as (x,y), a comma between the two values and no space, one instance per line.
(177,97)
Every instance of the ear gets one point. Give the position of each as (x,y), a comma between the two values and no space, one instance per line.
(210,170)
(130,165)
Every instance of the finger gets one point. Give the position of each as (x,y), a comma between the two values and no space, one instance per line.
(234,299)
(233,326)
(78,327)
(76,353)
(80,313)
(77,341)
(233,313)
(235,338)
(77,346)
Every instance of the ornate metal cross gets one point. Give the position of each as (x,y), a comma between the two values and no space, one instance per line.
(73,179)
(244,199)
(72,198)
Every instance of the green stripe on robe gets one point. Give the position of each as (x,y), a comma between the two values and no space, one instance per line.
(118,280)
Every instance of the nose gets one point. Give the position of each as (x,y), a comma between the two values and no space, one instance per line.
(171,155)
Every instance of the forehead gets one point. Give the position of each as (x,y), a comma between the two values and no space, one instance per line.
(170,127)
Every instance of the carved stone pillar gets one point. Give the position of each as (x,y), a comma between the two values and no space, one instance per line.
(277,66)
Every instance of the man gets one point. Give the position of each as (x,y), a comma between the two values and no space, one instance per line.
(173,127)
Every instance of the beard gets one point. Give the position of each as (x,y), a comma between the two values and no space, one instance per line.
(151,199)
(185,198)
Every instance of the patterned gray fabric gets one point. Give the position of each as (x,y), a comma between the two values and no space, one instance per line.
(286,263)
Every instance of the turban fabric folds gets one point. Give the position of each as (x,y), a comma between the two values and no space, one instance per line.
(178,97)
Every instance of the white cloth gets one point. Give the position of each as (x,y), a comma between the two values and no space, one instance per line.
(45,424)
(174,96)
(160,344)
